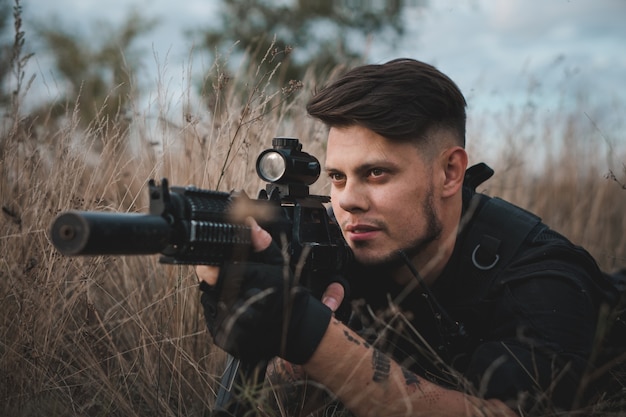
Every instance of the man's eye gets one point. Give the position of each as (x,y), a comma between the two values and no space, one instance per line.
(335,176)
(377,172)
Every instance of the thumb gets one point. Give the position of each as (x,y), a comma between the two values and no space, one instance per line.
(261,239)
(333,296)
(207,274)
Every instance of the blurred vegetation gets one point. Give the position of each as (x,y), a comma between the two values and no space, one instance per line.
(124,336)
(98,75)
(5,49)
(290,39)
(97,71)
(308,35)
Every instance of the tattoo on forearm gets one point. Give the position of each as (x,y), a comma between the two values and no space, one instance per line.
(410,378)
(382,366)
(351,338)
(355,340)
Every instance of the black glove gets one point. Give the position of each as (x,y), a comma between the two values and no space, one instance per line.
(255,311)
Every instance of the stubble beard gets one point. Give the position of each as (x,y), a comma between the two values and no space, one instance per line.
(433,232)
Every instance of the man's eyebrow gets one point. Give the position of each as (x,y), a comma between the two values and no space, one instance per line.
(330,169)
(365,166)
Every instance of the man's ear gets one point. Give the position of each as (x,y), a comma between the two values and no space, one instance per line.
(454,164)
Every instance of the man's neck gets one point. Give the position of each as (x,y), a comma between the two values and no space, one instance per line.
(431,262)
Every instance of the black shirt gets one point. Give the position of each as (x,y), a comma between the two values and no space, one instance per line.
(523,336)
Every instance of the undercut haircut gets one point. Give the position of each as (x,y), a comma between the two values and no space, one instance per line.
(403,99)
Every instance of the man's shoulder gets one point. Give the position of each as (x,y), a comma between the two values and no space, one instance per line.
(503,243)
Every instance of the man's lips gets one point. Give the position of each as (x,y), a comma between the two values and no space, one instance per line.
(360,232)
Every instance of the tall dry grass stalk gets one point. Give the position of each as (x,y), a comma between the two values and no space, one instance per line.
(124,336)
(564,168)
(120,336)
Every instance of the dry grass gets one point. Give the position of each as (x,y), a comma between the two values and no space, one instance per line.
(118,335)
(124,336)
(567,170)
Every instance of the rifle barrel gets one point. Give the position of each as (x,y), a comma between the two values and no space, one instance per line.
(98,233)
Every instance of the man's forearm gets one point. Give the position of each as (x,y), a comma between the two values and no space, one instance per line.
(293,392)
(369,383)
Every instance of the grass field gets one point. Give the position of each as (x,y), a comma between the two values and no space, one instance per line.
(124,336)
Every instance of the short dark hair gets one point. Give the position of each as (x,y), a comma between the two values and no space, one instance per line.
(403,99)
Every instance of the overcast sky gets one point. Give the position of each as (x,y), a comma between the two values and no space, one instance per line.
(497,51)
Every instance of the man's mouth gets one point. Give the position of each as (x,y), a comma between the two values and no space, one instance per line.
(361,232)
(360,228)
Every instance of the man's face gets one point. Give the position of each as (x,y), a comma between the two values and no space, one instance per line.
(381,194)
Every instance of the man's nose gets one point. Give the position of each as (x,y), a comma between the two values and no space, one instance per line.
(353,197)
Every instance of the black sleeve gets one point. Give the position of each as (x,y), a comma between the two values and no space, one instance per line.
(541,336)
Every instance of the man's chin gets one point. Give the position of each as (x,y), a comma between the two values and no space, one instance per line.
(378,259)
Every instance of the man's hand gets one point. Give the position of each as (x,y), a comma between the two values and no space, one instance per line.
(261,240)
(255,312)
(289,382)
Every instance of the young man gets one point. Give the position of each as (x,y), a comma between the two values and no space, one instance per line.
(429,335)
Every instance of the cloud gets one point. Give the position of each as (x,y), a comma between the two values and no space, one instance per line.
(492,49)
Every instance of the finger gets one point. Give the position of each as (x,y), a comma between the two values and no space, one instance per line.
(333,296)
(261,239)
(207,274)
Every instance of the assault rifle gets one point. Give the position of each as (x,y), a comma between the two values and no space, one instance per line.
(191,226)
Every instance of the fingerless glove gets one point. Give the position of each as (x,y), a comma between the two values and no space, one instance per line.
(256,312)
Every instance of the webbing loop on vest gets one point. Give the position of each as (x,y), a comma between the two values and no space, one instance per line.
(497,232)
(485,255)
